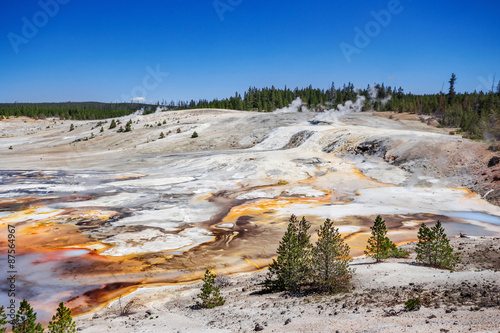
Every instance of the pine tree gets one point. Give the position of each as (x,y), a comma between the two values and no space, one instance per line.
(194,135)
(451,92)
(162,136)
(291,269)
(102,129)
(62,321)
(330,260)
(25,320)
(113,124)
(379,245)
(71,127)
(424,245)
(210,294)
(128,126)
(434,249)
(3,320)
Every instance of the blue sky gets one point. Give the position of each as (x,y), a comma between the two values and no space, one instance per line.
(106,50)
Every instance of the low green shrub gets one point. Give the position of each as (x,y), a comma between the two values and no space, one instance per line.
(413,304)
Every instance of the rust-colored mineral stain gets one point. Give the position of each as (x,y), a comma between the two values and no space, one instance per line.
(96,299)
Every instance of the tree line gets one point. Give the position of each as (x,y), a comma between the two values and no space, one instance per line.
(73,110)
(477,114)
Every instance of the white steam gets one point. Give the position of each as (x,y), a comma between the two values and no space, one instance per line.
(385,100)
(296,106)
(373,93)
(333,115)
(139,112)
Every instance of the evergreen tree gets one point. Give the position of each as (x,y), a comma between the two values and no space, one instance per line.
(379,245)
(194,135)
(424,245)
(291,269)
(128,126)
(210,296)
(3,320)
(330,260)
(25,320)
(162,136)
(113,124)
(451,92)
(434,249)
(102,129)
(71,127)
(62,321)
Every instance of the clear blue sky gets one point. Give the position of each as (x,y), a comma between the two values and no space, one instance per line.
(100,50)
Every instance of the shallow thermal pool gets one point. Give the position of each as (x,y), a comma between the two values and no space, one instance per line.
(475,216)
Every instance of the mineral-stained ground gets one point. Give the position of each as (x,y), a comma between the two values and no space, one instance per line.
(101,214)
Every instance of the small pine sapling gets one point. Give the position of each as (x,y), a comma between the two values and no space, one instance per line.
(25,320)
(379,246)
(128,126)
(210,296)
(62,322)
(3,320)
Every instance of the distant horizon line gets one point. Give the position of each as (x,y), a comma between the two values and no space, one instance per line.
(250,87)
